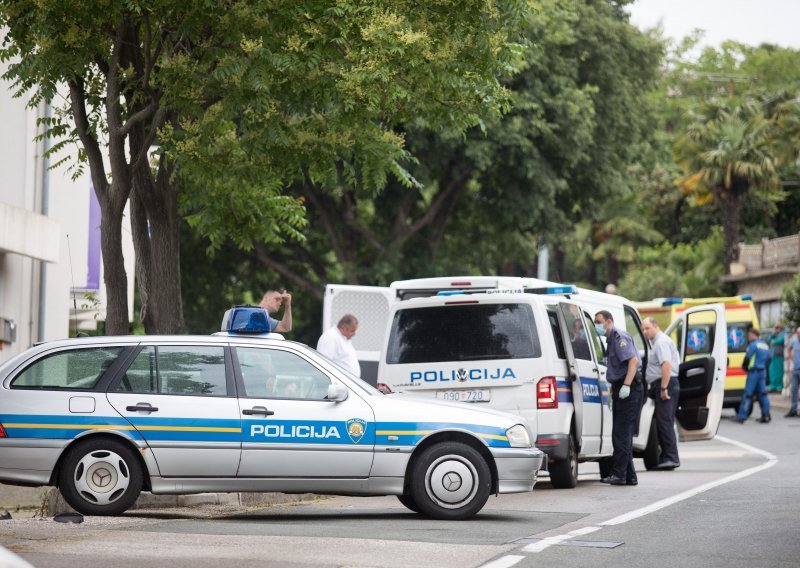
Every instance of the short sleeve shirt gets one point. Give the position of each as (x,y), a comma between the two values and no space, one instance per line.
(340,350)
(620,350)
(795,347)
(663,350)
(273,323)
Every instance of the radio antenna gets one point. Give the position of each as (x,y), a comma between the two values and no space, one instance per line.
(72,279)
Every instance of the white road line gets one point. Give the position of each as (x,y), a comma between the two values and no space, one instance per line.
(504,561)
(552,540)
(771,461)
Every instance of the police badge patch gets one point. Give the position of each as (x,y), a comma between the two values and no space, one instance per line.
(356,428)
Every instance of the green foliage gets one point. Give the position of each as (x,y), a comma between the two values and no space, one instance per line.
(791,303)
(689,270)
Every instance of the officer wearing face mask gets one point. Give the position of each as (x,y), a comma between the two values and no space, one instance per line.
(625,377)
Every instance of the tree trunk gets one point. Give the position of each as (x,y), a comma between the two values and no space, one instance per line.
(114,276)
(156,232)
(612,266)
(729,206)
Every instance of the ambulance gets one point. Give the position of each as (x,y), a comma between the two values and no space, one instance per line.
(740,314)
(528,347)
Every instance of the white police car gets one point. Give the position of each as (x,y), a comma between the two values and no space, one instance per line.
(105,418)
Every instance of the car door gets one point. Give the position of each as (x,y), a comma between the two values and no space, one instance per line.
(701,334)
(370,304)
(584,378)
(181,400)
(290,428)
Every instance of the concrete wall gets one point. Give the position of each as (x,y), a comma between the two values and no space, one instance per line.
(45,230)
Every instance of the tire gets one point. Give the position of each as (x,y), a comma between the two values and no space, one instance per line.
(100,477)
(408,502)
(652,451)
(564,473)
(606,466)
(450,481)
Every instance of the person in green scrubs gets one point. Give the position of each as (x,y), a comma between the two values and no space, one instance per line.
(777,343)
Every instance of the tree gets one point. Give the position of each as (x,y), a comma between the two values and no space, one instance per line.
(238,99)
(729,149)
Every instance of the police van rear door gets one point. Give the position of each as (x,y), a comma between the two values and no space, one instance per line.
(370,305)
(701,334)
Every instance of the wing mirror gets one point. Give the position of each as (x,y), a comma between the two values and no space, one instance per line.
(337,393)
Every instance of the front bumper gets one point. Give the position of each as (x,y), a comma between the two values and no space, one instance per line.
(518,468)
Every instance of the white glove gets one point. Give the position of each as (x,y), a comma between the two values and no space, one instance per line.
(625,391)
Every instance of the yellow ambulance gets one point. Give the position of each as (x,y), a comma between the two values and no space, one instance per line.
(740,314)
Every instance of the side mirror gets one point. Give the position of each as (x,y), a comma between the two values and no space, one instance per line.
(337,393)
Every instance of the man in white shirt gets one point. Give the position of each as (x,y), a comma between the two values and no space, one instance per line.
(662,370)
(335,344)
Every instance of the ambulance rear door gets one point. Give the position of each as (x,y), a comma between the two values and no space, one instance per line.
(703,350)
(370,305)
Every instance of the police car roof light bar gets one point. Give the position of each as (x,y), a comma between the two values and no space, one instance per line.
(246,320)
(567,289)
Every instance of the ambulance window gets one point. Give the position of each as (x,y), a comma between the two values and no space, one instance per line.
(737,336)
(463,332)
(271,373)
(700,334)
(77,369)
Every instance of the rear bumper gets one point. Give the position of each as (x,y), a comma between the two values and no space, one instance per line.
(555,446)
(518,468)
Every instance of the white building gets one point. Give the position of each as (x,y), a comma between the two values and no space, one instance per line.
(49,239)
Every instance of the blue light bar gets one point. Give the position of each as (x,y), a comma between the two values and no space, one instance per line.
(566,289)
(248,320)
(746,297)
(449,292)
(672,301)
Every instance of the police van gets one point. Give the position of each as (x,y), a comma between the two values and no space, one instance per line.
(529,347)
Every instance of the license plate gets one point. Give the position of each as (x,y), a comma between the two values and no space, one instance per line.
(483,395)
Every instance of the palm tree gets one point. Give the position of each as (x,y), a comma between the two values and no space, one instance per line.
(729,149)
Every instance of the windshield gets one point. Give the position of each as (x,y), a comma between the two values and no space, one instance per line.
(357,382)
(463,332)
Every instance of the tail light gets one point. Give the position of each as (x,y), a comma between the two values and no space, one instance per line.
(384,388)
(3,432)
(547,393)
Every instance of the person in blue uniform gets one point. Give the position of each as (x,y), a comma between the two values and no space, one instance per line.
(755,359)
(624,374)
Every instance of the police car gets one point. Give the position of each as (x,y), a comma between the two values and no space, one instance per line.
(105,418)
(530,347)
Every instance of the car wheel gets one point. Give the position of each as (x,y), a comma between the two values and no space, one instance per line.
(408,502)
(450,481)
(100,477)
(564,473)
(651,451)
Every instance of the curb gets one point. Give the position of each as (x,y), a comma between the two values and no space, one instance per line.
(53,502)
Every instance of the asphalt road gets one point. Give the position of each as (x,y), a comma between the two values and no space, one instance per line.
(735,502)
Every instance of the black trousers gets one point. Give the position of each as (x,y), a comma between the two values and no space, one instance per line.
(665,420)
(625,414)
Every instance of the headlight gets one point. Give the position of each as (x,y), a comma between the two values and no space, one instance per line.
(518,436)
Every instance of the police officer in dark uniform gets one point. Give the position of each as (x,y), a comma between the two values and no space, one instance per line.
(625,377)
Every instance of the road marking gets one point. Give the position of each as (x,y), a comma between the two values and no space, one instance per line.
(771,461)
(504,561)
(547,542)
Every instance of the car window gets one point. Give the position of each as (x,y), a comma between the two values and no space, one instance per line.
(272,373)
(554,327)
(463,332)
(577,334)
(594,338)
(632,326)
(737,336)
(77,369)
(169,369)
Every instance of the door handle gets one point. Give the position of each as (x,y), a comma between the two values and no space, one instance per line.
(141,406)
(258,410)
